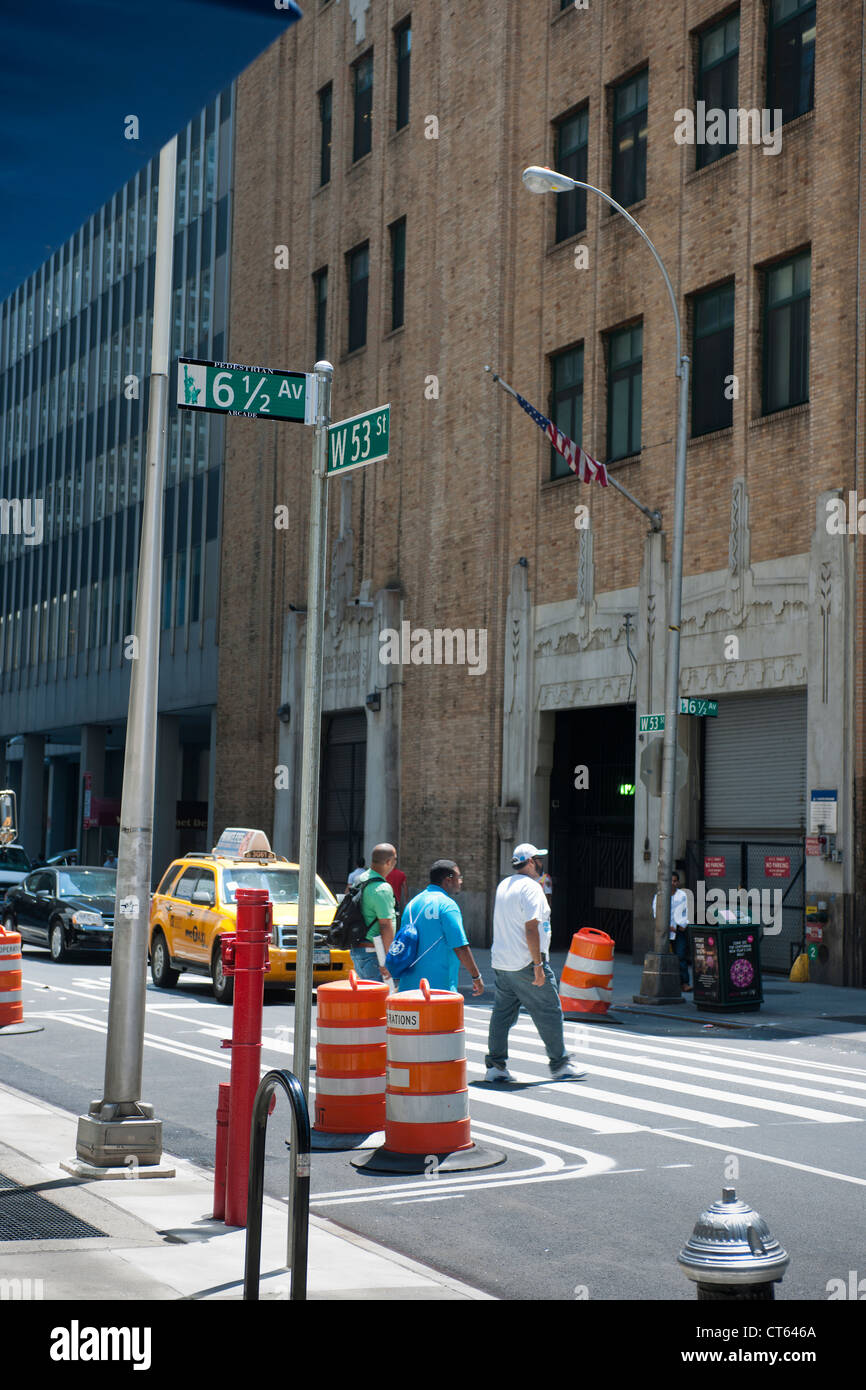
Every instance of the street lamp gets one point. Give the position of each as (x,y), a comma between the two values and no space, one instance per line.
(661,981)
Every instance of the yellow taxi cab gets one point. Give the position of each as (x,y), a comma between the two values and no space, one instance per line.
(195,904)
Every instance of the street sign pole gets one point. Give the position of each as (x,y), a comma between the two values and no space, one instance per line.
(120,1128)
(311,738)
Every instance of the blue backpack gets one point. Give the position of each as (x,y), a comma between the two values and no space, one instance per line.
(403,951)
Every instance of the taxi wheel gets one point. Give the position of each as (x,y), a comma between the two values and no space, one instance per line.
(160,964)
(223,985)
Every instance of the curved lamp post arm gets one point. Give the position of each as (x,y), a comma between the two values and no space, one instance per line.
(541,180)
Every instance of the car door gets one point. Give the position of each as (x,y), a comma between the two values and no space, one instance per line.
(22,898)
(204,915)
(182,918)
(42,904)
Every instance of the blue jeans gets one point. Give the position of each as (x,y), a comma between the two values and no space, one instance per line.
(366,964)
(514,988)
(680,948)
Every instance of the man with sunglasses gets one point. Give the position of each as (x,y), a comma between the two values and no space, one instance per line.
(521,972)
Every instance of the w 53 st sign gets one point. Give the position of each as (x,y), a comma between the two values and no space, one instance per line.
(359,440)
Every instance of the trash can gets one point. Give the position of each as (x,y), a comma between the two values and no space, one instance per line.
(726,961)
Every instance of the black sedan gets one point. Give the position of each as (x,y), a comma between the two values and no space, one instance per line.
(63,909)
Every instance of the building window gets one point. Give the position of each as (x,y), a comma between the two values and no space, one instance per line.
(624,376)
(713,360)
(398,271)
(358,264)
(791,57)
(325,107)
(628,180)
(571,145)
(566,402)
(718,73)
(403,46)
(362,136)
(786,333)
(320,299)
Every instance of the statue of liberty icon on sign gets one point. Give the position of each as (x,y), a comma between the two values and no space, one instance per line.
(191,391)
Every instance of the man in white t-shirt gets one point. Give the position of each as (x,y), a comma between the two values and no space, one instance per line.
(521,972)
(679,935)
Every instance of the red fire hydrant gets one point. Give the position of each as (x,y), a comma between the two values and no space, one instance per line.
(245,956)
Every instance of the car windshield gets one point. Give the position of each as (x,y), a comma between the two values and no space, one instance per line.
(11,857)
(281,884)
(87,883)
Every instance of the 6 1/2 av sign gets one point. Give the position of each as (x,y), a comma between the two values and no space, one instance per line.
(359,440)
(228,388)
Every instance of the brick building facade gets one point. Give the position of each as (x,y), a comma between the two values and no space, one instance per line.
(357,120)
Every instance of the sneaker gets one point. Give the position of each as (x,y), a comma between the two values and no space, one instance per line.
(566,1072)
(498,1074)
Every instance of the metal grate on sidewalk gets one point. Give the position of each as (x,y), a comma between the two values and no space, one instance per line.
(24,1215)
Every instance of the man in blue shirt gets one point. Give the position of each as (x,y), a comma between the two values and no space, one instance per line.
(442,943)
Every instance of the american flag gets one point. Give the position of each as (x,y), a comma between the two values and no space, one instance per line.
(588,469)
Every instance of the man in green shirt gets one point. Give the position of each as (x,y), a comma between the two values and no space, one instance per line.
(380,914)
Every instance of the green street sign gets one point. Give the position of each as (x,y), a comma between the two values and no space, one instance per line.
(651,723)
(228,388)
(700,707)
(654,723)
(360,440)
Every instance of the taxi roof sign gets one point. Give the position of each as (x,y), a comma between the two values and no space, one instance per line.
(239,843)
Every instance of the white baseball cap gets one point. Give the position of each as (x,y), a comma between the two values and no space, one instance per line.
(522,853)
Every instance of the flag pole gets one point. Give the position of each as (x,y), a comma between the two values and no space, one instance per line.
(655,517)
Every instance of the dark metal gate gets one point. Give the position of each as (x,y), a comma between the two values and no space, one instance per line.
(768,867)
(341,796)
(588,873)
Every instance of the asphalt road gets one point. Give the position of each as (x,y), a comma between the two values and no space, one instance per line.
(603,1179)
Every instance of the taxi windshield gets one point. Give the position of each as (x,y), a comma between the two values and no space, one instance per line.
(281,884)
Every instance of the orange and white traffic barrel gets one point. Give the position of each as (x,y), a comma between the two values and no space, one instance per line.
(350,1056)
(11,985)
(587,976)
(426,1100)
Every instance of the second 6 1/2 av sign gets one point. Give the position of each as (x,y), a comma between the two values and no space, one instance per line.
(359,440)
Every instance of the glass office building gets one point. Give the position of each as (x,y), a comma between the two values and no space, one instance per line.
(74,363)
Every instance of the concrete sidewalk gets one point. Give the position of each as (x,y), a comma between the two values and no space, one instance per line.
(157,1239)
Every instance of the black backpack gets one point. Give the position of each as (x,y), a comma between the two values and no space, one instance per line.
(348,927)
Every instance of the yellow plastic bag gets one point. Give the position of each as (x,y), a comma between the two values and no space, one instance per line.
(800,970)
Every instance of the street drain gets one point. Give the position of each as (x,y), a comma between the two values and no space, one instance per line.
(24,1215)
(847,1018)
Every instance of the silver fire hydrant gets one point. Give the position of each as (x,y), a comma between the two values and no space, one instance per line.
(731,1253)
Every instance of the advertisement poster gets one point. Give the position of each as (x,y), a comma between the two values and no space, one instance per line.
(706,967)
(742,968)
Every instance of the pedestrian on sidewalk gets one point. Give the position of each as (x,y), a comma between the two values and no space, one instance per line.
(442,943)
(355,875)
(521,971)
(679,936)
(379,913)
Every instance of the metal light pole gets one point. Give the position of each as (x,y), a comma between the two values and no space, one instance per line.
(120,1128)
(661,979)
(311,738)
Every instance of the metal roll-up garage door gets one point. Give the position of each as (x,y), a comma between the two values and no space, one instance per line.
(755,765)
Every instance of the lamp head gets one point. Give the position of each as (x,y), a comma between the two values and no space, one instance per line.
(539,179)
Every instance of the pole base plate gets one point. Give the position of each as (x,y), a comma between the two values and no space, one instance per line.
(119,1141)
(88,1172)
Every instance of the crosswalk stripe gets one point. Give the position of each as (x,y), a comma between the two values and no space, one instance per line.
(583,1048)
(561,1114)
(653,1107)
(482,1017)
